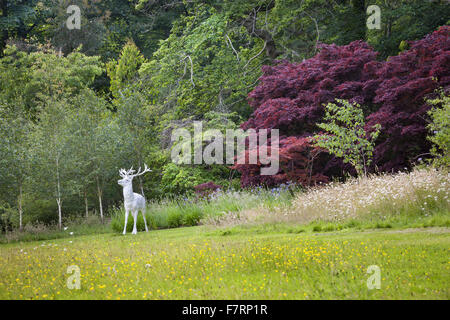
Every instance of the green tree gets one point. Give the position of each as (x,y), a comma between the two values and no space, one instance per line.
(182,177)
(346,136)
(22,19)
(125,69)
(54,166)
(440,129)
(98,144)
(203,66)
(136,118)
(14,156)
(406,20)
(92,33)
(39,75)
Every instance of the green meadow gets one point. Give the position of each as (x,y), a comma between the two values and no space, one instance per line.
(243,262)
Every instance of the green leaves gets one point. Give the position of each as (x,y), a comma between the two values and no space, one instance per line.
(346,136)
(39,76)
(440,129)
(125,69)
(203,65)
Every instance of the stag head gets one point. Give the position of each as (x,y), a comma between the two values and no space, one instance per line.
(128,175)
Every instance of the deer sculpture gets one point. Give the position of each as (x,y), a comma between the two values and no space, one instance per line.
(133,202)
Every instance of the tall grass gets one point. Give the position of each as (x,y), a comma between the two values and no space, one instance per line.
(190,211)
(72,227)
(378,200)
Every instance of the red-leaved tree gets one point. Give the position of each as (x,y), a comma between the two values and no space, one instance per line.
(404,83)
(291,97)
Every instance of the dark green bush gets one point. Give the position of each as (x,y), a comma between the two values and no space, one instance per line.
(174,219)
(192,217)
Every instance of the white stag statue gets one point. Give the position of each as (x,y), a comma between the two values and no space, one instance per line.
(133,202)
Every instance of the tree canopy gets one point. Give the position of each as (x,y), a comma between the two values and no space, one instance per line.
(78,104)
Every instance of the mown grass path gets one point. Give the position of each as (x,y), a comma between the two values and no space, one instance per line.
(243,263)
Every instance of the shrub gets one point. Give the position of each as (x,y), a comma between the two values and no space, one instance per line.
(291,97)
(192,217)
(92,220)
(404,82)
(35,228)
(205,189)
(346,136)
(39,210)
(440,129)
(174,219)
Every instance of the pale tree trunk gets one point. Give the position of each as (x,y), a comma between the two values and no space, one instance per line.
(58,199)
(141,186)
(59,213)
(99,193)
(364,171)
(86,204)
(19,202)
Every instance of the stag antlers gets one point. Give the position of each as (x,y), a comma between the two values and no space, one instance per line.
(130,173)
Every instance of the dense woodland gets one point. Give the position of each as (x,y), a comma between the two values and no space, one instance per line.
(78,105)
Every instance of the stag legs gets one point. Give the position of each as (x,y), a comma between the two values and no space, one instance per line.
(135,215)
(126,221)
(145,221)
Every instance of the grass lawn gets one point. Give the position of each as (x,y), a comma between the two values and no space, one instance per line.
(264,262)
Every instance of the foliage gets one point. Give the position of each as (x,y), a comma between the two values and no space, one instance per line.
(291,98)
(94,137)
(406,21)
(178,179)
(346,136)
(440,129)
(403,83)
(204,65)
(36,77)
(53,164)
(207,188)
(184,177)
(105,25)
(125,69)
(93,26)
(21,19)
(109,95)
(14,151)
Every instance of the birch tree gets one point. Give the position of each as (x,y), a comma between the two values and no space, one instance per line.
(97,144)
(14,158)
(54,166)
(135,117)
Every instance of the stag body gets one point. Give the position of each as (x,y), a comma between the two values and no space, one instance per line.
(133,202)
